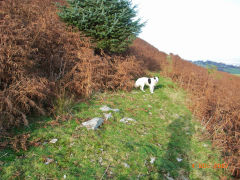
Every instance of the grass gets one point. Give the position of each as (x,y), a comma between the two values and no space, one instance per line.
(237,74)
(164,130)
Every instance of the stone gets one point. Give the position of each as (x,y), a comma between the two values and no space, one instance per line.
(105,108)
(152,160)
(179,159)
(48,161)
(93,123)
(126,120)
(115,110)
(53,141)
(126,165)
(100,160)
(176,116)
(44,143)
(107,116)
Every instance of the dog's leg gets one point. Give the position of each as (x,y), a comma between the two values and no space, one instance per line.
(151,89)
(141,87)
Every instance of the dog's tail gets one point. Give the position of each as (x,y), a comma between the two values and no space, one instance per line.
(136,85)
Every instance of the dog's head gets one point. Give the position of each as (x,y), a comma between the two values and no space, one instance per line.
(156,79)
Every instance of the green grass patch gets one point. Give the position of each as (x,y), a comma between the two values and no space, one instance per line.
(164,130)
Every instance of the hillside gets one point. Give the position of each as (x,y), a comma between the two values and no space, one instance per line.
(220,66)
(47,67)
(162,140)
(41,59)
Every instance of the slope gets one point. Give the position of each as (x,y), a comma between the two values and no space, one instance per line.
(42,61)
(164,141)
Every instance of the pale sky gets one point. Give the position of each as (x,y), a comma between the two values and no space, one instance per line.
(193,29)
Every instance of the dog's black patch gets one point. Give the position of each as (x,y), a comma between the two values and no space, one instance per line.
(154,78)
(149,81)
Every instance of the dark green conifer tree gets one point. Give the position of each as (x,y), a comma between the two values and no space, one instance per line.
(111,23)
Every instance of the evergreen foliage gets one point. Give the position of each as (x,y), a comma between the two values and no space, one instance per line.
(111,23)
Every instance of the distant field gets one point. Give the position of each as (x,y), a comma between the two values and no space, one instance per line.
(232,70)
(237,74)
(220,66)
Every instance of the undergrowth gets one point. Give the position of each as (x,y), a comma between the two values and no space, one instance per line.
(40,57)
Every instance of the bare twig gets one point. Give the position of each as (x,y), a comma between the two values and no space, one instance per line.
(3,155)
(105,172)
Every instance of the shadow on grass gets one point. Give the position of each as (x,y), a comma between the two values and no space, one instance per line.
(8,154)
(175,162)
(159,86)
(172,159)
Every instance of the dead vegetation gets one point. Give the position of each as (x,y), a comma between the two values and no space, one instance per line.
(152,58)
(41,59)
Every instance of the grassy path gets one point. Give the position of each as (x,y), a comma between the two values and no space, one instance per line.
(165,142)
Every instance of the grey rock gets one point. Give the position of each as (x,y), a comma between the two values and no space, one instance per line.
(126,120)
(105,108)
(152,160)
(107,116)
(53,141)
(115,110)
(126,165)
(100,160)
(179,159)
(44,143)
(176,116)
(93,123)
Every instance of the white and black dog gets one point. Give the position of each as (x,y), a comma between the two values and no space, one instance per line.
(151,82)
